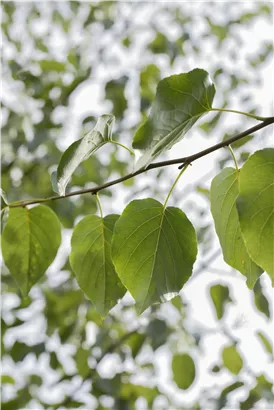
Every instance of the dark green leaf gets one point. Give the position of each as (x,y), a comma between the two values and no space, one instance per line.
(184,372)
(180,101)
(232,359)
(223,396)
(153,249)
(263,389)
(30,242)
(158,332)
(82,149)
(223,196)
(220,296)
(255,206)
(91,261)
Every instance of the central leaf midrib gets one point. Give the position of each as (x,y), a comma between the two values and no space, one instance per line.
(154,259)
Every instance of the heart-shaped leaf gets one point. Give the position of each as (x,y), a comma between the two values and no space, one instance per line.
(91,261)
(153,250)
(255,206)
(180,101)
(81,150)
(223,195)
(30,242)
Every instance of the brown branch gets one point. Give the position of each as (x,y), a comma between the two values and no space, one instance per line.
(182,161)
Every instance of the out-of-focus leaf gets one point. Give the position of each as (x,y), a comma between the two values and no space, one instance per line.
(108,386)
(232,359)
(134,391)
(115,91)
(81,359)
(267,344)
(20,350)
(6,379)
(52,65)
(135,342)
(261,302)
(221,403)
(180,101)
(262,390)
(158,332)
(184,372)
(22,399)
(220,297)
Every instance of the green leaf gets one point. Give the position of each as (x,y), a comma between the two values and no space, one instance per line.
(184,372)
(256,208)
(115,91)
(81,359)
(153,250)
(180,101)
(268,346)
(30,241)
(260,300)
(220,296)
(222,401)
(135,342)
(52,65)
(232,359)
(158,332)
(6,379)
(223,196)
(91,261)
(81,150)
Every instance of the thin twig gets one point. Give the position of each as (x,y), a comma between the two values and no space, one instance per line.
(182,161)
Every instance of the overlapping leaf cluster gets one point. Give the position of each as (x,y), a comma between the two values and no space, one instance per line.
(150,249)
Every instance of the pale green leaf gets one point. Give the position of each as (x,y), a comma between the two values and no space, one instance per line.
(180,101)
(232,359)
(91,261)
(52,65)
(266,342)
(220,297)
(81,150)
(6,379)
(184,371)
(256,208)
(153,249)
(30,242)
(223,196)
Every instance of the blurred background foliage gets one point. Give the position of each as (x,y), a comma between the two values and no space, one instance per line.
(63,65)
